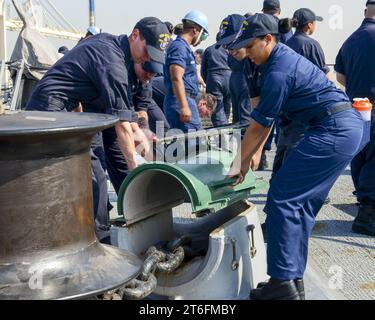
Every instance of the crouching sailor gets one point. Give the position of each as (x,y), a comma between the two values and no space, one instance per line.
(292,85)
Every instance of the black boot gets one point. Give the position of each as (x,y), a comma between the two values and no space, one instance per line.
(365,221)
(276,290)
(301,288)
(264,231)
(299,284)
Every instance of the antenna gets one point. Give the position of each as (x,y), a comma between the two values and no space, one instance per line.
(92,15)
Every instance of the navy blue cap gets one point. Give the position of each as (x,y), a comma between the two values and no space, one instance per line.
(63,50)
(153,67)
(257,25)
(305,16)
(229,29)
(157,37)
(169,26)
(370,2)
(271,5)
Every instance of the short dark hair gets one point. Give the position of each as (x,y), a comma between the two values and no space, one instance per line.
(178,29)
(143,123)
(286,24)
(271,6)
(272,11)
(188,25)
(211,101)
(275,36)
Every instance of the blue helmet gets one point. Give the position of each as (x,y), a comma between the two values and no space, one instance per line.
(198,18)
(94,30)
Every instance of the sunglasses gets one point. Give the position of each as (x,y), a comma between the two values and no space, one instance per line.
(204,35)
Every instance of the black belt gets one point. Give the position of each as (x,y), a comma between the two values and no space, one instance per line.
(188,94)
(329,112)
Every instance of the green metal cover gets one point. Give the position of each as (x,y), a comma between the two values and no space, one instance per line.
(206,184)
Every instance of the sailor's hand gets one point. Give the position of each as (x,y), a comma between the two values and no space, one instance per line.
(132,163)
(151,137)
(235,172)
(255,161)
(239,178)
(245,167)
(185,115)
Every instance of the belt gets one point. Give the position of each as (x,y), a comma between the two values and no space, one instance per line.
(188,94)
(329,112)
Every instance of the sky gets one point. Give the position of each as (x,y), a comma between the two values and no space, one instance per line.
(341,17)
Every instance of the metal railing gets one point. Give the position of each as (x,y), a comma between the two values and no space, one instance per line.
(10,93)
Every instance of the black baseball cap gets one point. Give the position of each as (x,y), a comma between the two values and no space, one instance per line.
(229,29)
(271,5)
(153,67)
(305,16)
(169,26)
(257,25)
(157,37)
(63,50)
(370,2)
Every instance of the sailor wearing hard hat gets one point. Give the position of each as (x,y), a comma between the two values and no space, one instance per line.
(181,79)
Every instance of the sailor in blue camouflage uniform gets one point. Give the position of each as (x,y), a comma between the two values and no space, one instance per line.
(355,66)
(95,73)
(147,77)
(141,101)
(291,133)
(180,74)
(304,20)
(301,91)
(240,95)
(216,73)
(273,7)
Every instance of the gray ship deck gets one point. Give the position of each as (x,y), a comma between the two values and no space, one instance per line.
(335,252)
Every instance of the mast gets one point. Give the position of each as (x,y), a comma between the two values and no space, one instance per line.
(3,38)
(92,16)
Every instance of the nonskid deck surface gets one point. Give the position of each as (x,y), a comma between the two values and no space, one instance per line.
(341,263)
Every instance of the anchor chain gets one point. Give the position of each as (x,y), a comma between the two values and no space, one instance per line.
(146,282)
(171,261)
